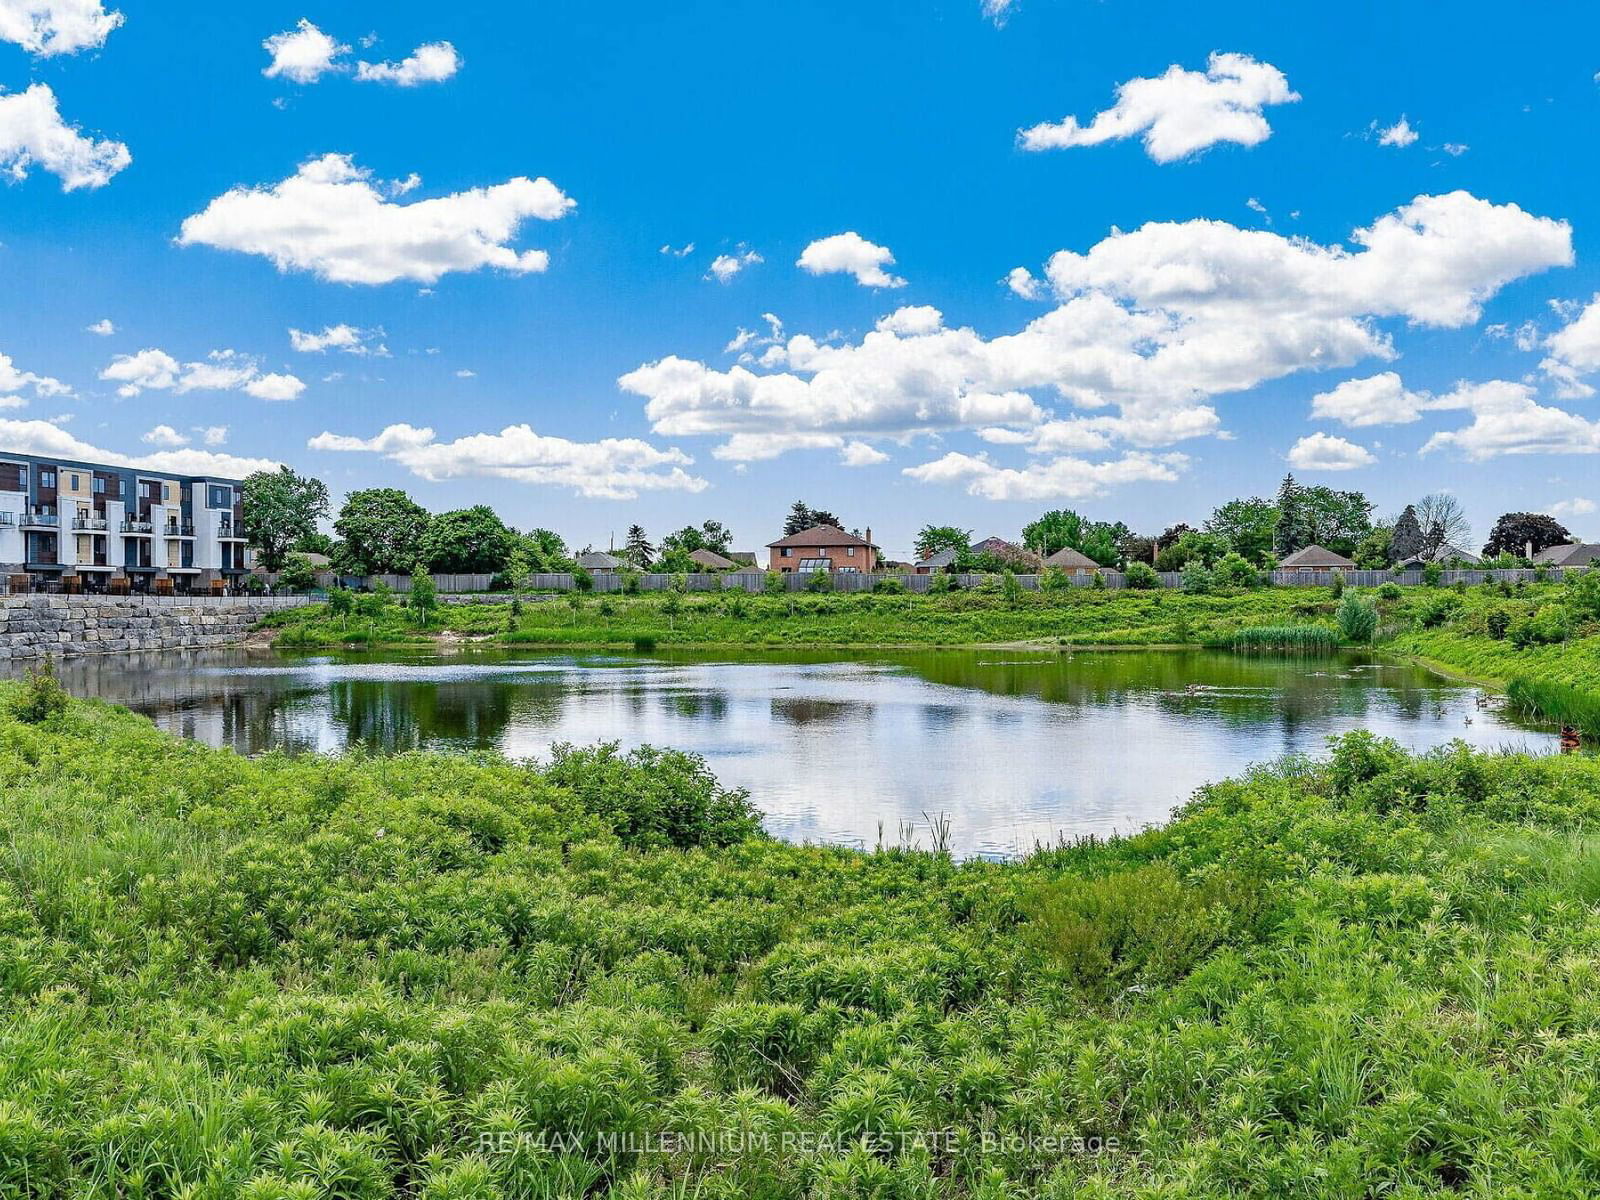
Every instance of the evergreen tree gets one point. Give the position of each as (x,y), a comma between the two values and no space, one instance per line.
(638,549)
(1408,542)
(1289,534)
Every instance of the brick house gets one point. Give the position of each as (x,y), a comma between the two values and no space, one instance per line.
(822,549)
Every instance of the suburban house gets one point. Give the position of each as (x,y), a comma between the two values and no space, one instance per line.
(710,560)
(744,558)
(943,560)
(1015,556)
(598,562)
(1316,558)
(1573,554)
(98,527)
(1444,555)
(1073,562)
(823,548)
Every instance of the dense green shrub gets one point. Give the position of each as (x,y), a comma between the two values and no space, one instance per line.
(890,585)
(1235,571)
(42,695)
(1434,611)
(1011,589)
(652,797)
(819,581)
(1390,591)
(1197,580)
(1432,574)
(1357,618)
(1544,627)
(1497,622)
(1141,576)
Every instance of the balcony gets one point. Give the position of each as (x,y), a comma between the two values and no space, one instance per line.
(89,524)
(230,533)
(40,520)
(137,528)
(174,530)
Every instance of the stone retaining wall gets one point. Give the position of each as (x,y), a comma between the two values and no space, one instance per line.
(67,626)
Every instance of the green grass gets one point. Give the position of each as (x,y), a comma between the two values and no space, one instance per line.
(1286,639)
(1557,702)
(309,977)
(1078,616)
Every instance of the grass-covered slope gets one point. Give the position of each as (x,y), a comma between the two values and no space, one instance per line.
(452,977)
(1081,616)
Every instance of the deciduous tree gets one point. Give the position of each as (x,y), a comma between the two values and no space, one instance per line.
(281,509)
(383,530)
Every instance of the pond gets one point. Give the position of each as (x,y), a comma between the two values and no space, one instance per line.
(1013,747)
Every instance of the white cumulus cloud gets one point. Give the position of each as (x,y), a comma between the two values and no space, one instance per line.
(1180,112)
(14,382)
(164,435)
(32,134)
(850,254)
(1324,452)
(431,63)
(725,266)
(49,27)
(1145,329)
(347,339)
(1574,351)
(1024,283)
(151,369)
(303,54)
(102,327)
(1379,400)
(329,219)
(51,441)
(1578,506)
(611,469)
(1506,419)
(860,454)
(1399,135)
(1057,479)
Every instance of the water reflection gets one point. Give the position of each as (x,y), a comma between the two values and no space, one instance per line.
(1015,747)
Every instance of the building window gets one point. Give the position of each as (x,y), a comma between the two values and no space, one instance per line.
(850,550)
(219,497)
(166,493)
(74,479)
(786,552)
(47,479)
(99,486)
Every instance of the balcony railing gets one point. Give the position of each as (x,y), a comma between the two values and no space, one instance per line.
(231,532)
(137,527)
(89,523)
(44,519)
(175,530)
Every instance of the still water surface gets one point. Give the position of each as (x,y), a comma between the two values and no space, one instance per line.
(1014,747)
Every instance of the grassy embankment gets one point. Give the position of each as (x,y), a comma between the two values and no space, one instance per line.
(1545,638)
(975,617)
(448,977)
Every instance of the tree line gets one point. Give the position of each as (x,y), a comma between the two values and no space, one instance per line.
(1260,533)
(383,531)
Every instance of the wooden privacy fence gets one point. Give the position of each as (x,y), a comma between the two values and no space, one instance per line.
(855,581)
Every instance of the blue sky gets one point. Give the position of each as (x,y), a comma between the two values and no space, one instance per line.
(1151,374)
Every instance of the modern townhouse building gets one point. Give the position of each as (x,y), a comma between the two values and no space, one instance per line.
(96,527)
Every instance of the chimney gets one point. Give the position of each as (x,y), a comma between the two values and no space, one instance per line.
(869,534)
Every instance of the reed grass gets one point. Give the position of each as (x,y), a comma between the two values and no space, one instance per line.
(1285,639)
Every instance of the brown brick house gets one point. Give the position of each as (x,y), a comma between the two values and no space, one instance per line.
(823,549)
